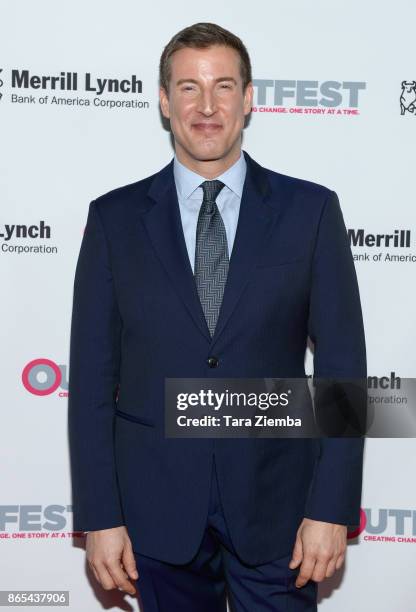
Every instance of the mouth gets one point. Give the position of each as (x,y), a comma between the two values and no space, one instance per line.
(207,128)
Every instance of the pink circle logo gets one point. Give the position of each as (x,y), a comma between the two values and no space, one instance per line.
(363,522)
(46,367)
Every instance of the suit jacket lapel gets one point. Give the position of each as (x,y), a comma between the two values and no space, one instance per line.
(164,226)
(255,222)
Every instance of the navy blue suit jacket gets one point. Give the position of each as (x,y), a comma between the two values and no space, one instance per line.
(137,319)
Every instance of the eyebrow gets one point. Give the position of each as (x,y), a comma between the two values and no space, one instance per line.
(225,78)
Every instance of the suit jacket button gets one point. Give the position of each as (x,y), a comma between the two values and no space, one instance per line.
(212,362)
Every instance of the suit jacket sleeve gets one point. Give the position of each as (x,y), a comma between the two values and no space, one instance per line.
(335,326)
(93,381)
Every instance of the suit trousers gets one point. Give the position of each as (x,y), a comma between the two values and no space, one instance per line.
(215,574)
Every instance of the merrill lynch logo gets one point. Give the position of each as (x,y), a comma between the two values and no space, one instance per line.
(68,81)
(408,98)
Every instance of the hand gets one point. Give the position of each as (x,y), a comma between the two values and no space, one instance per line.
(321,548)
(111,558)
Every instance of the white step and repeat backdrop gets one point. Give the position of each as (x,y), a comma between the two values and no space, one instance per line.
(334,103)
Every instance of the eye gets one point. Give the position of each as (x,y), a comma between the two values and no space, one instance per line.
(225,85)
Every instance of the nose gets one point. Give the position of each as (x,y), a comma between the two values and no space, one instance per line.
(207,103)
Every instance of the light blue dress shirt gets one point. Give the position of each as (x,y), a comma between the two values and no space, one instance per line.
(190,197)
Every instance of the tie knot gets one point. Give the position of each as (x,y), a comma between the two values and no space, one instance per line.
(211,189)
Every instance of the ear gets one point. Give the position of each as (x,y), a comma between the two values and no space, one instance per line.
(248,98)
(164,102)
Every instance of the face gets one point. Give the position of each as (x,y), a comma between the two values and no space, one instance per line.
(206,105)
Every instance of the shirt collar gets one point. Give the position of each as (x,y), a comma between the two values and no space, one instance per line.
(187,181)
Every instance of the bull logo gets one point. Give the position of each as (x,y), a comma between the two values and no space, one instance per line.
(408,98)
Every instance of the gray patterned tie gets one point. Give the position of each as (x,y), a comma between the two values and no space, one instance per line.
(211,254)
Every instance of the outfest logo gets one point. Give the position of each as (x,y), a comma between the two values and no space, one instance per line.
(43,376)
(395,525)
(307,97)
(35,521)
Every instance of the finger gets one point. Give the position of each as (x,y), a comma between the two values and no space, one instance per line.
(306,570)
(129,562)
(297,554)
(330,570)
(95,573)
(319,571)
(104,578)
(340,561)
(120,577)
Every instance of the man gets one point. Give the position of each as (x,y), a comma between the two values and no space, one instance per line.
(212,267)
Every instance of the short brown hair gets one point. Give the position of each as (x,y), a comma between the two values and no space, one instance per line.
(200,36)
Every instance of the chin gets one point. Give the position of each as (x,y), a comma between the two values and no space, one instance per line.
(208,157)
(208,153)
